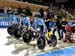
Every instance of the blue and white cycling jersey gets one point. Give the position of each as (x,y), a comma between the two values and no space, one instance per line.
(25,21)
(14,19)
(38,22)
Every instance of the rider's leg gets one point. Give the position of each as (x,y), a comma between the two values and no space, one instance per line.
(54,31)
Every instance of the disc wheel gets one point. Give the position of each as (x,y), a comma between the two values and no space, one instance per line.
(10,30)
(41,42)
(53,40)
(17,33)
(27,37)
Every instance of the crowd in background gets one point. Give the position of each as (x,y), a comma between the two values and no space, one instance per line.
(56,10)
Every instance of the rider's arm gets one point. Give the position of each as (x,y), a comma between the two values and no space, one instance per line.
(44,25)
(19,21)
(13,17)
(35,25)
(29,24)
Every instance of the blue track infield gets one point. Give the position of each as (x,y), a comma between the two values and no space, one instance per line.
(70,51)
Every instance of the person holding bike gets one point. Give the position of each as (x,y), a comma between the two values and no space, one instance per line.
(58,27)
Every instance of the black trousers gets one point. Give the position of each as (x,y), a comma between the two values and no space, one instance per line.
(47,24)
(62,31)
(59,32)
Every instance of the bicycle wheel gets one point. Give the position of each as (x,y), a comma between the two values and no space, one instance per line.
(41,42)
(27,37)
(10,30)
(52,41)
(17,33)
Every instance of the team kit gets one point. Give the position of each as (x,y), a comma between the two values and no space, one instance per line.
(21,26)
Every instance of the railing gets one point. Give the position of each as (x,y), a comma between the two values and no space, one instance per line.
(68,13)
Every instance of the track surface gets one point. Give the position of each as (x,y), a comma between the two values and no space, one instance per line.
(9,46)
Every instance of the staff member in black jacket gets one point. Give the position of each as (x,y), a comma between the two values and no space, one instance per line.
(58,27)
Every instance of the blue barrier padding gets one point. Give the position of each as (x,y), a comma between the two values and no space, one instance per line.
(4,15)
(3,26)
(5,21)
(71,23)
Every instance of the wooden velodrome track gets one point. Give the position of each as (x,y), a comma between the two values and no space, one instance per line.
(16,4)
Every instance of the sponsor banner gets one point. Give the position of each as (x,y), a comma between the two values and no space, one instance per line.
(4,20)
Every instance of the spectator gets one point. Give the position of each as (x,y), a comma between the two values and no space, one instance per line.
(8,11)
(19,9)
(41,12)
(50,14)
(28,11)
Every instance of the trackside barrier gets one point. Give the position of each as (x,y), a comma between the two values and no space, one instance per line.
(5,21)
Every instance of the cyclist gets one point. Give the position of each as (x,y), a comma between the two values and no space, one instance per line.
(24,21)
(39,22)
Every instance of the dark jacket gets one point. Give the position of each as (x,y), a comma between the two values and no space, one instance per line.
(64,23)
(58,24)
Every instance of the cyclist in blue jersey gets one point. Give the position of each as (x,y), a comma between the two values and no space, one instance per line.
(24,21)
(39,22)
(14,18)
